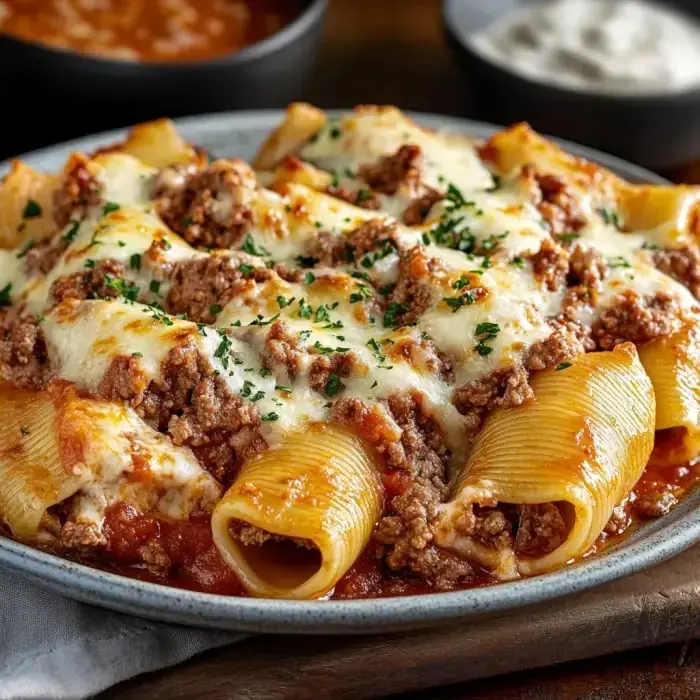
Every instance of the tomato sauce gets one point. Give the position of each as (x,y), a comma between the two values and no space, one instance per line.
(148,30)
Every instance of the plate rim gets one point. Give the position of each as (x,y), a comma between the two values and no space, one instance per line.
(667,536)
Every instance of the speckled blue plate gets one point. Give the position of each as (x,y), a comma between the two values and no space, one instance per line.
(239,134)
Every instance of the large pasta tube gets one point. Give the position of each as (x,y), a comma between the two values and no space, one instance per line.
(298,515)
(579,449)
(673,365)
(40,443)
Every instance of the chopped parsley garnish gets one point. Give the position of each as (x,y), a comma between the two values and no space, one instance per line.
(493,240)
(333,385)
(322,315)
(485,332)
(72,232)
(260,320)
(283,387)
(309,278)
(284,301)
(376,348)
(128,290)
(25,250)
(363,292)
(251,248)
(563,365)
(215,309)
(325,349)
(360,275)
(305,309)
(32,209)
(463,281)
(455,199)
(334,132)
(202,329)
(517,261)
(456,303)
(121,244)
(306,260)
(187,221)
(166,243)
(90,263)
(269,417)
(159,315)
(650,246)
(5,295)
(23,430)
(245,269)
(223,350)
(154,286)
(109,207)
(387,248)
(137,354)
(496,183)
(135,261)
(393,310)
(486,262)
(618,261)
(568,237)
(386,289)
(362,196)
(304,335)
(609,216)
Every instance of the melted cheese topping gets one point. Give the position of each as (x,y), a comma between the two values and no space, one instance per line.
(330,312)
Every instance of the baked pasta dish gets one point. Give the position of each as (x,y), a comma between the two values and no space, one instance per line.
(379,360)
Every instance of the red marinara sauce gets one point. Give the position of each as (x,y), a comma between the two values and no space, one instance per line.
(148,30)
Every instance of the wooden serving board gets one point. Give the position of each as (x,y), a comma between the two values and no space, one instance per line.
(653,607)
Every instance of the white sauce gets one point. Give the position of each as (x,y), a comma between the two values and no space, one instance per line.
(611,46)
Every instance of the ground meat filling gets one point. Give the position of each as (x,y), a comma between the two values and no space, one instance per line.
(656,503)
(636,318)
(506,387)
(194,406)
(683,265)
(554,200)
(103,281)
(326,371)
(413,293)
(24,359)
(567,340)
(78,191)
(284,353)
(253,536)
(388,173)
(416,459)
(359,198)
(43,257)
(541,529)
(551,264)
(210,207)
(417,211)
(375,234)
(587,268)
(200,286)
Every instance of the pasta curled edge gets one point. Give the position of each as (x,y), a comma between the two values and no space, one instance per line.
(299,515)
(581,446)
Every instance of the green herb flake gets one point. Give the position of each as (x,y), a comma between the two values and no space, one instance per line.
(72,232)
(333,385)
(269,417)
(249,246)
(215,309)
(393,311)
(135,261)
(109,207)
(563,365)
(32,209)
(5,295)
(22,253)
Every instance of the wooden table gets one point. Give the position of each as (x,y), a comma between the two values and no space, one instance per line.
(392,52)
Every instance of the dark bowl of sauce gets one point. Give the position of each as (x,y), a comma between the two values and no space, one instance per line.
(631,112)
(102,63)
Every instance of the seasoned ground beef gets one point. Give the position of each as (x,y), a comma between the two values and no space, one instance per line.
(103,281)
(413,293)
(23,357)
(656,503)
(567,340)
(194,406)
(636,318)
(541,529)
(507,387)
(388,173)
(42,257)
(326,371)
(78,191)
(423,354)
(683,265)
(555,201)
(256,537)
(331,250)
(409,534)
(210,207)
(198,285)
(284,353)
(81,536)
(587,267)
(358,198)
(416,212)
(551,264)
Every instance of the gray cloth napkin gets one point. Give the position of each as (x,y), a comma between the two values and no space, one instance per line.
(53,647)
